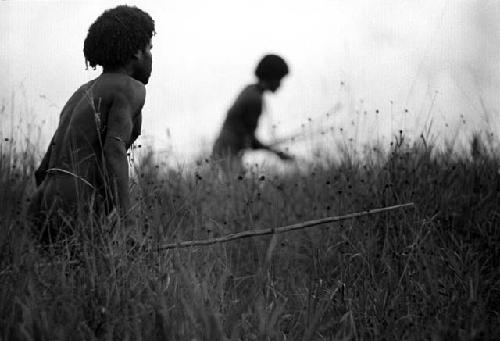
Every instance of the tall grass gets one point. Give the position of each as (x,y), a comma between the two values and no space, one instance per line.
(432,272)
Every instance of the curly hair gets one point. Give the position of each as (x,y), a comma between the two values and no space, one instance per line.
(271,66)
(116,35)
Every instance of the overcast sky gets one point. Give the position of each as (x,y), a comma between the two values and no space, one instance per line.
(437,59)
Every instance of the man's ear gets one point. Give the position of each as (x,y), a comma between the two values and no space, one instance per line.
(139,54)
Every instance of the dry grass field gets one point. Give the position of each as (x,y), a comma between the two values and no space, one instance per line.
(428,272)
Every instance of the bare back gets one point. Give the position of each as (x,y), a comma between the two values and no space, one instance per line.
(238,129)
(79,143)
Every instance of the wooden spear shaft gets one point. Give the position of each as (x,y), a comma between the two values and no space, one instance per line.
(281,229)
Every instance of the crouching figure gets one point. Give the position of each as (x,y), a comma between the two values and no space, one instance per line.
(238,130)
(85,168)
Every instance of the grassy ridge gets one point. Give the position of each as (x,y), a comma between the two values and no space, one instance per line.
(428,272)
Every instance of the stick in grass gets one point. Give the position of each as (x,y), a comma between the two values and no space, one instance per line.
(282,229)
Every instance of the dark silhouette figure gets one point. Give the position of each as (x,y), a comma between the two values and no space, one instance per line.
(85,166)
(238,129)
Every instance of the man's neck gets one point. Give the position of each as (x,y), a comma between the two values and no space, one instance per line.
(261,87)
(121,70)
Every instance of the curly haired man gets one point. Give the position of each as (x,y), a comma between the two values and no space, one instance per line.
(85,166)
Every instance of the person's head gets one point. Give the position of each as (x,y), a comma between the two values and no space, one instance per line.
(120,38)
(270,71)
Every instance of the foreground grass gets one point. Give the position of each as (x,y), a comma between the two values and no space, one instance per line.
(431,272)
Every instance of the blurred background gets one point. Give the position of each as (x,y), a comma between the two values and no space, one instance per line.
(361,71)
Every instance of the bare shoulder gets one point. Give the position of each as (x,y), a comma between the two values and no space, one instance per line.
(123,89)
(135,90)
(250,96)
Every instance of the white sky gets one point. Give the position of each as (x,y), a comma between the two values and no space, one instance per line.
(390,55)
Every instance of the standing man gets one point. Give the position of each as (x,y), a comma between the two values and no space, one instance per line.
(238,130)
(86,166)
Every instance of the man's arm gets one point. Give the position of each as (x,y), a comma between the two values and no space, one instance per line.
(256,144)
(119,131)
(254,108)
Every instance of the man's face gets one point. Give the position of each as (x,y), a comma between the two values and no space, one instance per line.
(273,84)
(143,64)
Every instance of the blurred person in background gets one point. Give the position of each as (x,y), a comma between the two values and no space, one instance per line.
(238,130)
